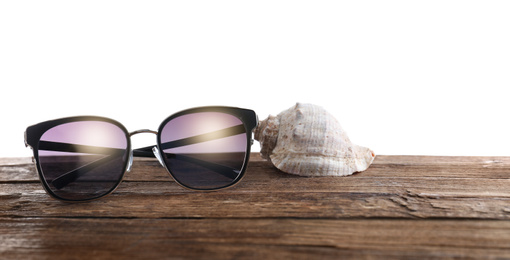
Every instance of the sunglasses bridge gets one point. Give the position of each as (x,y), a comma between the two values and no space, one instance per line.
(146,151)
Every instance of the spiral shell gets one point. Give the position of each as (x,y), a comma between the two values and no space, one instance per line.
(307,140)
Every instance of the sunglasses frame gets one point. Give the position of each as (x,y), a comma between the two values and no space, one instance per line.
(247,117)
(34,133)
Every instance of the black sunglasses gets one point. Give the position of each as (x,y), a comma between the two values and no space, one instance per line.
(84,158)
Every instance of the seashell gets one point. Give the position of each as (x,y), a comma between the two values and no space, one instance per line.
(307,140)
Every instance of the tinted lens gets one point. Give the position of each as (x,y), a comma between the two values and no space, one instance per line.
(205,150)
(82,160)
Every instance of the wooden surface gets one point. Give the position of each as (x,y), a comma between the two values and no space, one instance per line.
(410,207)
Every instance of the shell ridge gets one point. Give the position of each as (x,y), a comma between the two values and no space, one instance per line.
(307,140)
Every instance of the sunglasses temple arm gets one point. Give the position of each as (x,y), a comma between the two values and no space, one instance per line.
(226,171)
(69,177)
(147,151)
(63,180)
(144,152)
(230,131)
(76,148)
(66,178)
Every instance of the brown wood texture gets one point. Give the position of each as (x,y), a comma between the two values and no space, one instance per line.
(403,207)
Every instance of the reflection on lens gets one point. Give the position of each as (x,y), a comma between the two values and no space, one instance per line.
(205,150)
(82,160)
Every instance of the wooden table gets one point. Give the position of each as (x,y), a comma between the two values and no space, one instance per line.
(401,207)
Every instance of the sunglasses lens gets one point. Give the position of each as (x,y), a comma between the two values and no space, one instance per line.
(204,150)
(82,160)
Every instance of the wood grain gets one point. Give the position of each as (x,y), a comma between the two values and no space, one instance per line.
(404,207)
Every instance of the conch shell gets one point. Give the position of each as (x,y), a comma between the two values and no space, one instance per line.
(307,140)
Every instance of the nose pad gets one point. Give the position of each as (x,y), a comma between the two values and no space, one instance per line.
(130,162)
(156,152)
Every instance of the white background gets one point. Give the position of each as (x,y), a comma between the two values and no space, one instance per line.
(402,77)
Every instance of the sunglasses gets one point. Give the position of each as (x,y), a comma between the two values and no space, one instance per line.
(85,157)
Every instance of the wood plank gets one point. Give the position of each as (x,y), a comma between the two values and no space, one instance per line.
(30,238)
(401,207)
(148,169)
(154,200)
(271,193)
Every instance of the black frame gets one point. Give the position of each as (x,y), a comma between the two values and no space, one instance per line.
(249,119)
(34,133)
